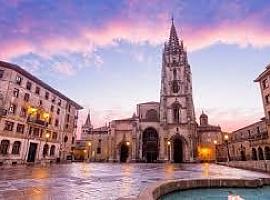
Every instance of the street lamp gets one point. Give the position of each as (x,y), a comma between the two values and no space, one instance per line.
(169,150)
(47,136)
(89,145)
(128,143)
(226,138)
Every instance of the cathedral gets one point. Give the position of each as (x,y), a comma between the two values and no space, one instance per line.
(164,131)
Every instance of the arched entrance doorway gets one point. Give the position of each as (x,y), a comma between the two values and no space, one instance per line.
(243,155)
(260,152)
(254,154)
(267,153)
(150,145)
(124,150)
(177,150)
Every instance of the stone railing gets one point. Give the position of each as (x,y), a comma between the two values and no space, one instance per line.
(258,165)
(159,189)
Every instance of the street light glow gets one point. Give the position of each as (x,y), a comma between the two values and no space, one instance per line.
(47,135)
(128,143)
(89,144)
(226,137)
(215,142)
(169,143)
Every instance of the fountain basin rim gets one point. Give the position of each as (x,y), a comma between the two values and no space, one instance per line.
(161,188)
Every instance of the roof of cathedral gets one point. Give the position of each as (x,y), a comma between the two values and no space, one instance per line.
(203,115)
(173,40)
(87,123)
(150,102)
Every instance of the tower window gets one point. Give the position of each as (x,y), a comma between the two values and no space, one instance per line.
(175,86)
(176,112)
(174,74)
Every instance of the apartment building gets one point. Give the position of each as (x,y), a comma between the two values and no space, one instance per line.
(37,122)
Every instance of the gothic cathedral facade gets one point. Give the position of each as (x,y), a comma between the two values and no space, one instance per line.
(159,131)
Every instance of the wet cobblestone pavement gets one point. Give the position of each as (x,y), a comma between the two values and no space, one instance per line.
(101,181)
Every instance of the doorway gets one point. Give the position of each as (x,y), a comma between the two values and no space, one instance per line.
(32,152)
(177,150)
(124,153)
(150,145)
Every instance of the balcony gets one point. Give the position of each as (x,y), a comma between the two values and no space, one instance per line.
(37,122)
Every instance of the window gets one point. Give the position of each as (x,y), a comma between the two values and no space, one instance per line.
(65,139)
(50,120)
(26,97)
(73,140)
(52,150)
(267,99)
(258,130)
(53,99)
(1,73)
(23,112)
(4,145)
(36,132)
(16,92)
(28,85)
(40,103)
(67,117)
(54,136)
(176,112)
(56,123)
(47,95)
(265,84)
(12,108)
(16,147)
(68,107)
(20,128)
(59,102)
(66,126)
(37,90)
(18,80)
(152,115)
(52,108)
(175,86)
(45,150)
(58,111)
(174,74)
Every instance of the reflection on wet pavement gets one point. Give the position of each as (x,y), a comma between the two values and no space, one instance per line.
(101,180)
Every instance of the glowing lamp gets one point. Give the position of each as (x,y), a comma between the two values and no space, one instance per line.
(128,143)
(226,137)
(47,135)
(169,143)
(89,144)
(215,142)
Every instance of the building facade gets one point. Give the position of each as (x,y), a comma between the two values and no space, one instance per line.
(37,123)
(251,142)
(158,131)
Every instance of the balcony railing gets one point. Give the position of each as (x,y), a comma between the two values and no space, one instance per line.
(38,122)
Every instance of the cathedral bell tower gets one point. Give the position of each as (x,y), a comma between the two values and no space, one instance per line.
(177,116)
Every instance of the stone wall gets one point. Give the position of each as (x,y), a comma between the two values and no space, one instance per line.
(259,165)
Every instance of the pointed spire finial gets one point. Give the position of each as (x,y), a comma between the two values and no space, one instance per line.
(172,19)
(88,123)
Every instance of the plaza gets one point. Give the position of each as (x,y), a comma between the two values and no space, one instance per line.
(103,181)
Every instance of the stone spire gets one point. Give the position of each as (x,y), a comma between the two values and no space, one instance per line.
(87,123)
(173,40)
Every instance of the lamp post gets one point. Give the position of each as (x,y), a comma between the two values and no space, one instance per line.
(128,144)
(169,150)
(226,138)
(89,145)
(215,143)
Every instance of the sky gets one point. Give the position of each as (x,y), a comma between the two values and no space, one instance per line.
(106,54)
